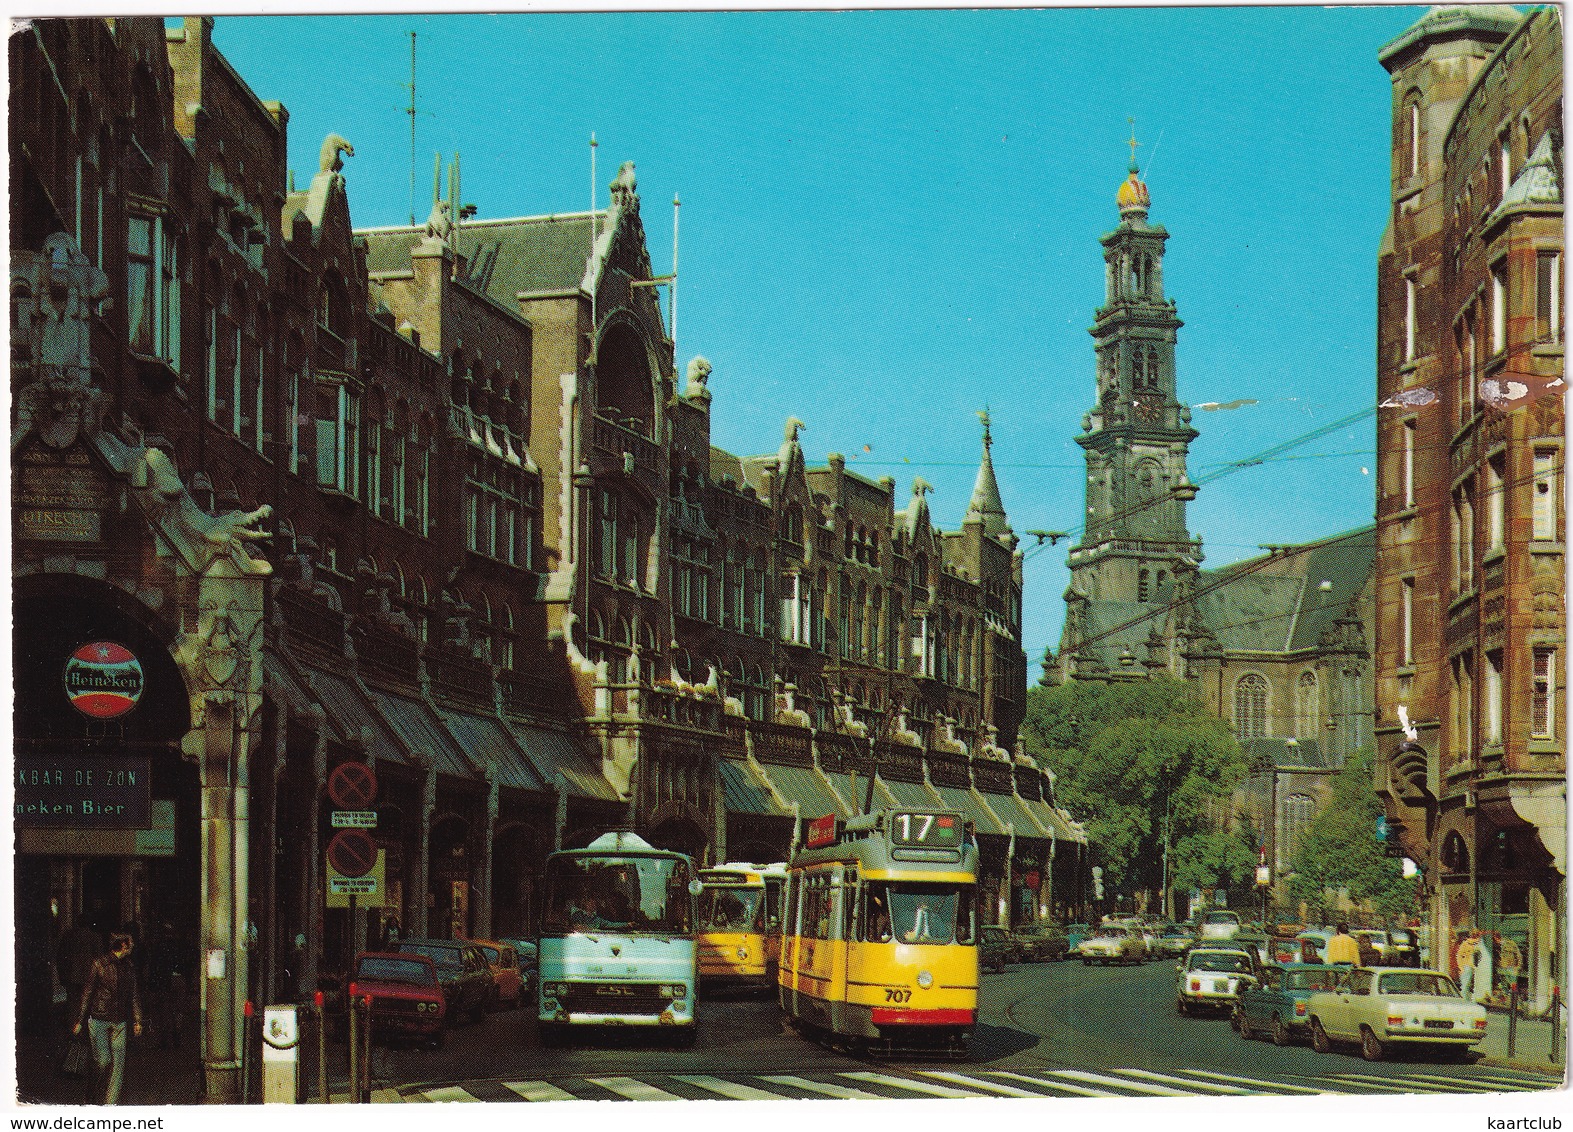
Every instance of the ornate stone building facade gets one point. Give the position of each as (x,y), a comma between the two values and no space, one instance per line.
(1471,526)
(1279,645)
(433,501)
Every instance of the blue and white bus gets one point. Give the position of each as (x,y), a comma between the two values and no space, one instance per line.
(617,939)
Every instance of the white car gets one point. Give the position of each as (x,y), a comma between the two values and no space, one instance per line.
(1383,1006)
(1219,924)
(1212,977)
(1113,943)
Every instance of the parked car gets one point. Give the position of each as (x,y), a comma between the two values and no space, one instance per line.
(507,983)
(998,948)
(1212,978)
(1381,1007)
(1175,939)
(1039,943)
(467,984)
(406,996)
(529,960)
(1313,944)
(1373,946)
(1218,924)
(1277,1004)
(1403,947)
(1114,943)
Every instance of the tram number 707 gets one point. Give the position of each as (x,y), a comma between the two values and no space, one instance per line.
(898,994)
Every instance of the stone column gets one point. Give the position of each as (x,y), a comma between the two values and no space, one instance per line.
(314,873)
(481,903)
(420,873)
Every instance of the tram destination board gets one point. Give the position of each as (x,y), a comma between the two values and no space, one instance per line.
(925,830)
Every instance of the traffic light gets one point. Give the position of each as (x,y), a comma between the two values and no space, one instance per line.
(1395,838)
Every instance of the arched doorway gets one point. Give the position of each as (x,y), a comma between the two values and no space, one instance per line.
(678,826)
(448,900)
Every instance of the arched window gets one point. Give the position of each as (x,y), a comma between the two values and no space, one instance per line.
(624,383)
(1308,704)
(1294,819)
(1250,706)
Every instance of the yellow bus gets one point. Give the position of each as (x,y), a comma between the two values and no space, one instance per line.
(740,924)
(879,940)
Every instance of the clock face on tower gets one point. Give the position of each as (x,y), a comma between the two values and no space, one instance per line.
(1149,409)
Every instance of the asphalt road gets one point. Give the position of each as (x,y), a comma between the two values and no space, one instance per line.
(1045,1030)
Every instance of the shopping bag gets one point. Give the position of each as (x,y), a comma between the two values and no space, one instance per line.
(75,1061)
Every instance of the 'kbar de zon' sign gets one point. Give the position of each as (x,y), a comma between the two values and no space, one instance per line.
(83,793)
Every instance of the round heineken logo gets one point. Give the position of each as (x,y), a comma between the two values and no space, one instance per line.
(103,680)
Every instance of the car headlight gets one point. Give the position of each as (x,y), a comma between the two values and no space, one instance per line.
(925,980)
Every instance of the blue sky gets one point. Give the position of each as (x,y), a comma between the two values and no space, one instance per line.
(890,219)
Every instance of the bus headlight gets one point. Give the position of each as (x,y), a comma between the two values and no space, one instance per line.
(742,953)
(925,980)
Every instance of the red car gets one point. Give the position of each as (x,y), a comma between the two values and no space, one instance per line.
(406,998)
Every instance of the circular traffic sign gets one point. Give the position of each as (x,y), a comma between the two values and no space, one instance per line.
(352,852)
(352,786)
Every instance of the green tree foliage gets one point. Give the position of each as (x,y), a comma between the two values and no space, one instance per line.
(1131,759)
(1340,850)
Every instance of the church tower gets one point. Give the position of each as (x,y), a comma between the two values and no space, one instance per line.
(1136,558)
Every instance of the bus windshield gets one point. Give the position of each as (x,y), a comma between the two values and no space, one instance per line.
(917,913)
(731,909)
(625,894)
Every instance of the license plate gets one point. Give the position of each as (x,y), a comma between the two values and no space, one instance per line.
(1438,1024)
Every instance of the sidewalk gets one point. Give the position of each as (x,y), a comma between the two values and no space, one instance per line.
(1532,1045)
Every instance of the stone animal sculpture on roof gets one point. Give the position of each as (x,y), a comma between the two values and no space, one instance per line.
(329,159)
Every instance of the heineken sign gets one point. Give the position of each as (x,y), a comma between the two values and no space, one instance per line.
(83,792)
(103,680)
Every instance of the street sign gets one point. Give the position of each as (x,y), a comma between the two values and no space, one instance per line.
(352,886)
(354,819)
(352,786)
(352,852)
(369,891)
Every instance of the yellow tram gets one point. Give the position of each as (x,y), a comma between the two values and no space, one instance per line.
(879,940)
(740,924)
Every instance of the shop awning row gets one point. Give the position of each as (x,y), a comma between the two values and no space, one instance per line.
(817,794)
(459,744)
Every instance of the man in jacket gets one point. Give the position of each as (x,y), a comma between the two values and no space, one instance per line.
(110,1002)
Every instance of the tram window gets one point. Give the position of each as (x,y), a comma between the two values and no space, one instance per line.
(920,913)
(874,924)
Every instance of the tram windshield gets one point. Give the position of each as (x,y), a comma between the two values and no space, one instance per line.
(618,894)
(917,913)
(731,909)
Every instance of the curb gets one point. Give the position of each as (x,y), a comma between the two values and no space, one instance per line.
(1550,1069)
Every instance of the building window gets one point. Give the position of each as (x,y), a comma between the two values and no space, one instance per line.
(152,290)
(1295,814)
(1411,305)
(1496,502)
(210,371)
(1542,696)
(1471,367)
(691,578)
(1406,630)
(1493,694)
(1504,165)
(1464,538)
(294,420)
(1409,463)
(1463,707)
(1309,704)
(1548,296)
(1498,308)
(1413,141)
(338,433)
(1545,501)
(1250,707)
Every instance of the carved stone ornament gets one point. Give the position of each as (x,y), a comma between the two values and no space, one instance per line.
(54,294)
(329,160)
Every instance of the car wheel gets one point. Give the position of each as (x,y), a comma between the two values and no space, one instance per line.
(1281,1033)
(1372,1048)
(1237,1023)
(1086,962)
(1320,1042)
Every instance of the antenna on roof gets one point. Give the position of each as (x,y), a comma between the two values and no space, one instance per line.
(412,129)
(592,192)
(676,205)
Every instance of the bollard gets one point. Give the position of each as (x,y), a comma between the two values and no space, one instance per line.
(322,1047)
(1512,1020)
(280,1055)
(365,1074)
(354,1043)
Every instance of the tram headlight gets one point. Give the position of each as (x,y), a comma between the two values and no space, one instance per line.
(925,980)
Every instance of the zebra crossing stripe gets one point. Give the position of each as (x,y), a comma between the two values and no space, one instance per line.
(905,1083)
(1519,1080)
(449,1093)
(1120,1082)
(1404,1084)
(1465,1084)
(538,1091)
(730,1089)
(825,1088)
(1063,1086)
(632,1089)
(1227,1090)
(1283,1085)
(986,1086)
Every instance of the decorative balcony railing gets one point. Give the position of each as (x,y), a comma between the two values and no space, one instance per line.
(386,653)
(781,744)
(311,624)
(949,770)
(461,678)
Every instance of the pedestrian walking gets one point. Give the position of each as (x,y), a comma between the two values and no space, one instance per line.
(110,1004)
(1343,947)
(80,946)
(1465,958)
